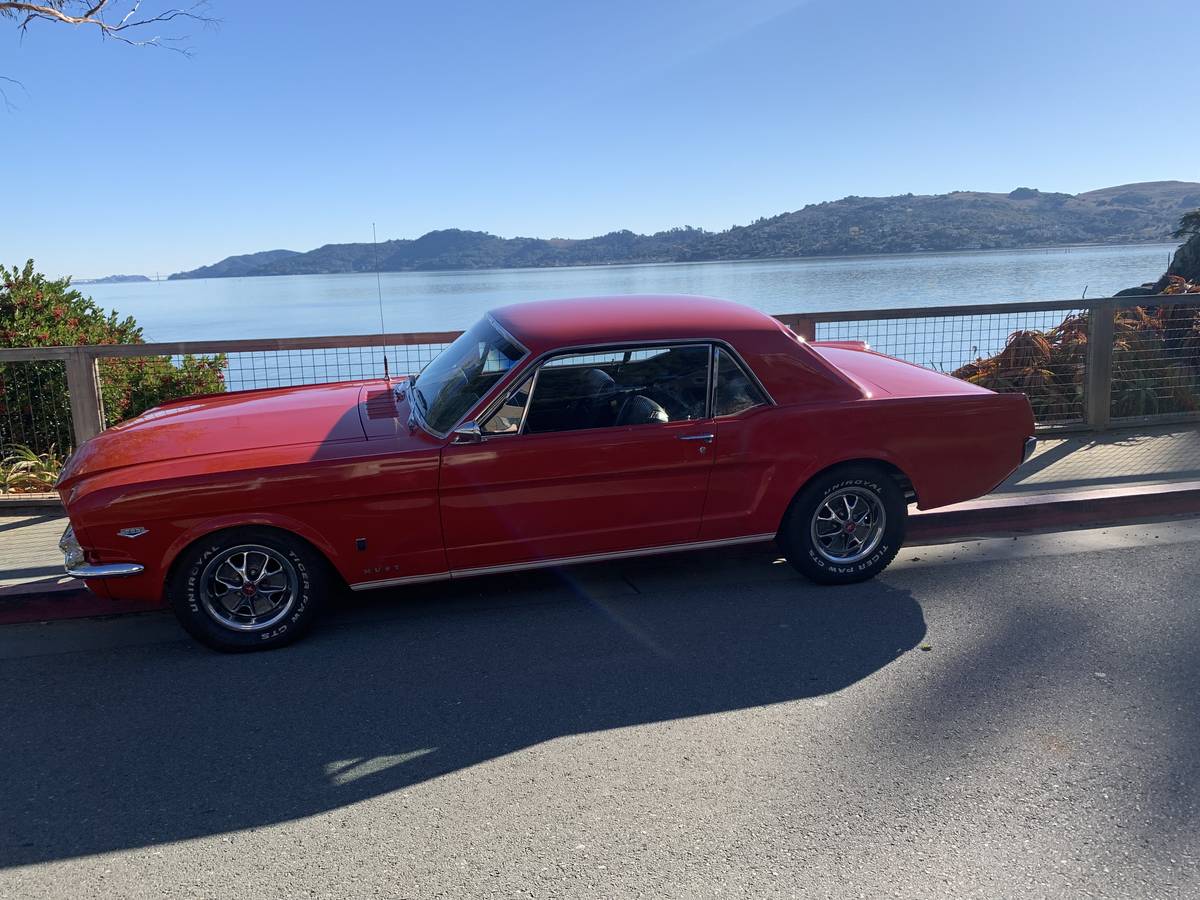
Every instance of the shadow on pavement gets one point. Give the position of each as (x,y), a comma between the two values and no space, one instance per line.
(142,745)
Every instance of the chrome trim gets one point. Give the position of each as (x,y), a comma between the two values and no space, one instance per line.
(76,565)
(504,331)
(1030,446)
(415,414)
(565,561)
(136,532)
(253,585)
(394,582)
(533,383)
(697,437)
(467,433)
(741,366)
(503,398)
(601,557)
(711,394)
(528,400)
(68,545)
(109,570)
(845,526)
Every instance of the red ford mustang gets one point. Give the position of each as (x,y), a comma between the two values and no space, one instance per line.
(548,433)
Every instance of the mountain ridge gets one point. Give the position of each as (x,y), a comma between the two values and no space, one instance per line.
(905,223)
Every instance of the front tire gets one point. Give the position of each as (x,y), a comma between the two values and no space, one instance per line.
(247,589)
(845,526)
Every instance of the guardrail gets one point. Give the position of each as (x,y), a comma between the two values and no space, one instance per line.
(1086,364)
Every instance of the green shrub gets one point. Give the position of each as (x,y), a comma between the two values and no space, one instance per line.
(23,471)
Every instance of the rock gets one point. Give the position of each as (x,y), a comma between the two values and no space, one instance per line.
(1186,261)
(1185,264)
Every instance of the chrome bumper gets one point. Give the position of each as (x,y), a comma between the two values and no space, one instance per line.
(77,565)
(1030,446)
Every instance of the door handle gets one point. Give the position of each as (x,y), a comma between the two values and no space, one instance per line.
(697,437)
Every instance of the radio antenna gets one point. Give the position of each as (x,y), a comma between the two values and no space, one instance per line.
(379,290)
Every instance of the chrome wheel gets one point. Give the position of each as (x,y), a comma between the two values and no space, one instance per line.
(848,525)
(249,588)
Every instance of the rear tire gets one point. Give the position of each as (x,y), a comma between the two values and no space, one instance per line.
(845,526)
(248,589)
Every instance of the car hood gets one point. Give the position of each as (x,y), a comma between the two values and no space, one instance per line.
(233,422)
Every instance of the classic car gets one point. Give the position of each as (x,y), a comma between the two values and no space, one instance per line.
(548,433)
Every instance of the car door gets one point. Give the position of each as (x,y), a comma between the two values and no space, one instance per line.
(747,472)
(596,452)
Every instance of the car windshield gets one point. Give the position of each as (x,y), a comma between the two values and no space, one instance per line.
(462,373)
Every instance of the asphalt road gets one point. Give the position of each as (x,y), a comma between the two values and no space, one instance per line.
(696,726)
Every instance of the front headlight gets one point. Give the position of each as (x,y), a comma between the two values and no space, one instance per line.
(71,551)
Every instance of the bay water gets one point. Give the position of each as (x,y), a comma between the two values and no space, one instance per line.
(308,305)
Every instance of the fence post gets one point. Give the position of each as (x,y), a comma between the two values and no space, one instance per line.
(83,384)
(1097,392)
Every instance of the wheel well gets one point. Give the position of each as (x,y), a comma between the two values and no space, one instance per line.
(894,472)
(208,535)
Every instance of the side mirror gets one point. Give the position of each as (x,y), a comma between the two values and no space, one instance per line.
(468,433)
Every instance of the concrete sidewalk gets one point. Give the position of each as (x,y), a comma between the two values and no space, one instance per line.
(1110,459)
(30,562)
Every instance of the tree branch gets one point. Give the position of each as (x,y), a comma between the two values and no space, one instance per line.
(90,13)
(8,104)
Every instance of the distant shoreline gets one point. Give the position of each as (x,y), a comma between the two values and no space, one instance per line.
(1168,245)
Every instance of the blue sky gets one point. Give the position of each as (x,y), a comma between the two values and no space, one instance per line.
(292,126)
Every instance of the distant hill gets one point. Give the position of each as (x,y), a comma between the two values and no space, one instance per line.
(111,279)
(962,220)
(235,266)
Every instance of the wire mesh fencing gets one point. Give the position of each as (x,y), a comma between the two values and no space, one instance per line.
(1156,360)
(35,407)
(285,368)
(130,385)
(1148,367)
(1040,353)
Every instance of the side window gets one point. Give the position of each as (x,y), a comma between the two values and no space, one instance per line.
(734,390)
(639,386)
(507,419)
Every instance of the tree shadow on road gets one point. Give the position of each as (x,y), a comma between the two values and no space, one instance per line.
(138,746)
(1080,692)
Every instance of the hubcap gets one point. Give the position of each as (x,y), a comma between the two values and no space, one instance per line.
(249,588)
(848,525)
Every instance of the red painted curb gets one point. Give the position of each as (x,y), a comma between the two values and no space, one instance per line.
(998,514)
(1039,512)
(73,604)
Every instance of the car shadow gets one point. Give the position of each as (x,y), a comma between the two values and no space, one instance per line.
(133,747)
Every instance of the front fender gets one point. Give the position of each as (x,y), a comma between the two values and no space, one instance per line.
(283,522)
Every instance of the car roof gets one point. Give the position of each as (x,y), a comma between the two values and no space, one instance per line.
(548,324)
